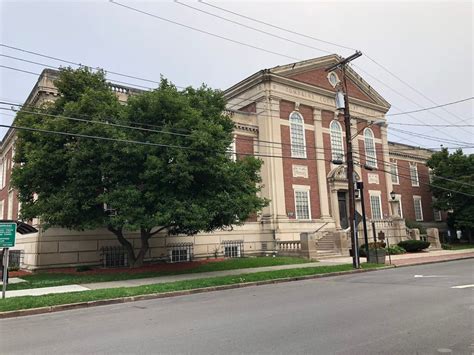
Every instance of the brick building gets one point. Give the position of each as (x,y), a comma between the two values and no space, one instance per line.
(286,116)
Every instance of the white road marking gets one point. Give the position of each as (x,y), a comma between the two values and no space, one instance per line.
(416,276)
(463,286)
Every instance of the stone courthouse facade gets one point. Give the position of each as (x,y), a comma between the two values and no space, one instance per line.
(287,117)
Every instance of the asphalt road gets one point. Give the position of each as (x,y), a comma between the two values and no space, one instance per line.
(388,311)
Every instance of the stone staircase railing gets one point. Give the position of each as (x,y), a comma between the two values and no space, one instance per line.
(289,248)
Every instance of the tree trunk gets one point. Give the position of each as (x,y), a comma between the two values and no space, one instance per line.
(135,261)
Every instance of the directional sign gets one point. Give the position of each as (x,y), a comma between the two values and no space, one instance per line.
(7,235)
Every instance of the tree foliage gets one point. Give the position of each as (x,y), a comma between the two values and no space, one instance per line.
(454,172)
(184,182)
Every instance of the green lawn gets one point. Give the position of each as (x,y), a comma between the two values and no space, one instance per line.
(26,302)
(44,279)
(460,246)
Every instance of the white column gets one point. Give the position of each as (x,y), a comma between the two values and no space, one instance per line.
(386,166)
(272,170)
(321,164)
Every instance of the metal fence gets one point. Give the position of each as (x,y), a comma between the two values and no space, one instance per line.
(15,258)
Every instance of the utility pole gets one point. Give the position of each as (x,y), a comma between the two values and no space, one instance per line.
(350,162)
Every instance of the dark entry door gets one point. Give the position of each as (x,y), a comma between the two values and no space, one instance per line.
(343,216)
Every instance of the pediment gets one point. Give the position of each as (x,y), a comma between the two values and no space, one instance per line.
(340,174)
(313,72)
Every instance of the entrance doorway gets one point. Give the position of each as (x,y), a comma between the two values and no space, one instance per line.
(343,210)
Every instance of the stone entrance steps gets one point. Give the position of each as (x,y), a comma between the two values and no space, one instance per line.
(326,247)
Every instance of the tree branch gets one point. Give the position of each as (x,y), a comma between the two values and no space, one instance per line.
(158,231)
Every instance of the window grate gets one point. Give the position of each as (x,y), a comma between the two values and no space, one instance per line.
(181,252)
(233,248)
(114,256)
(15,257)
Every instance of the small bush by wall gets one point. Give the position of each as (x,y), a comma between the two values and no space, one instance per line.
(395,249)
(412,246)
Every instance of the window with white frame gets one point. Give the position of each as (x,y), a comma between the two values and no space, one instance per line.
(414,175)
(302,205)
(2,203)
(376,206)
(400,209)
(370,153)
(437,215)
(298,142)
(10,205)
(2,174)
(394,172)
(418,208)
(181,253)
(337,149)
(233,249)
(232,150)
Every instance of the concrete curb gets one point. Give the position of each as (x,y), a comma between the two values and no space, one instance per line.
(65,307)
(435,261)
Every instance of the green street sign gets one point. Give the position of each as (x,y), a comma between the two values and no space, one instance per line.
(7,235)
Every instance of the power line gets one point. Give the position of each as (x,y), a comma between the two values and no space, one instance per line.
(431,125)
(79,64)
(319,40)
(277,27)
(58,68)
(174,146)
(250,27)
(201,31)
(431,108)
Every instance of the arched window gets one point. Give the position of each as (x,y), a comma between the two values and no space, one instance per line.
(298,143)
(370,154)
(337,148)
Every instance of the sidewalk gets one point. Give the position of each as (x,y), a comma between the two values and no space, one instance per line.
(415,258)
(398,260)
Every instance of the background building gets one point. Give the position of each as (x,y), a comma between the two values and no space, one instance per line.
(286,116)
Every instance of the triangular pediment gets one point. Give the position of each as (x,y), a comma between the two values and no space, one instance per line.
(313,72)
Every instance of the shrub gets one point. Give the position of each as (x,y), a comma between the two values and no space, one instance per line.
(446,246)
(395,249)
(413,224)
(83,268)
(412,246)
(372,245)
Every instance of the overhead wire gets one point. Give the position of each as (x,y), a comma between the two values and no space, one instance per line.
(323,41)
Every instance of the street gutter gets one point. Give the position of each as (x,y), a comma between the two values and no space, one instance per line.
(65,307)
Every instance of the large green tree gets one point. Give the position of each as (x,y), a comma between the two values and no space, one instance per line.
(453,187)
(181,181)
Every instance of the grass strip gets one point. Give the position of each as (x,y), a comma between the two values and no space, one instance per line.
(26,302)
(459,246)
(44,279)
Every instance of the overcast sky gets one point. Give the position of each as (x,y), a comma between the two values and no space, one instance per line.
(427,44)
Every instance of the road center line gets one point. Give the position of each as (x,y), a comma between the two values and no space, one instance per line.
(463,286)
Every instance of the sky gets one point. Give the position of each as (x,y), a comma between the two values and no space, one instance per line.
(428,45)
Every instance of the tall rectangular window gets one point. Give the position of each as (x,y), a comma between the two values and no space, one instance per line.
(437,215)
(394,172)
(10,205)
(414,175)
(418,208)
(232,150)
(302,204)
(337,148)
(298,142)
(376,206)
(2,202)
